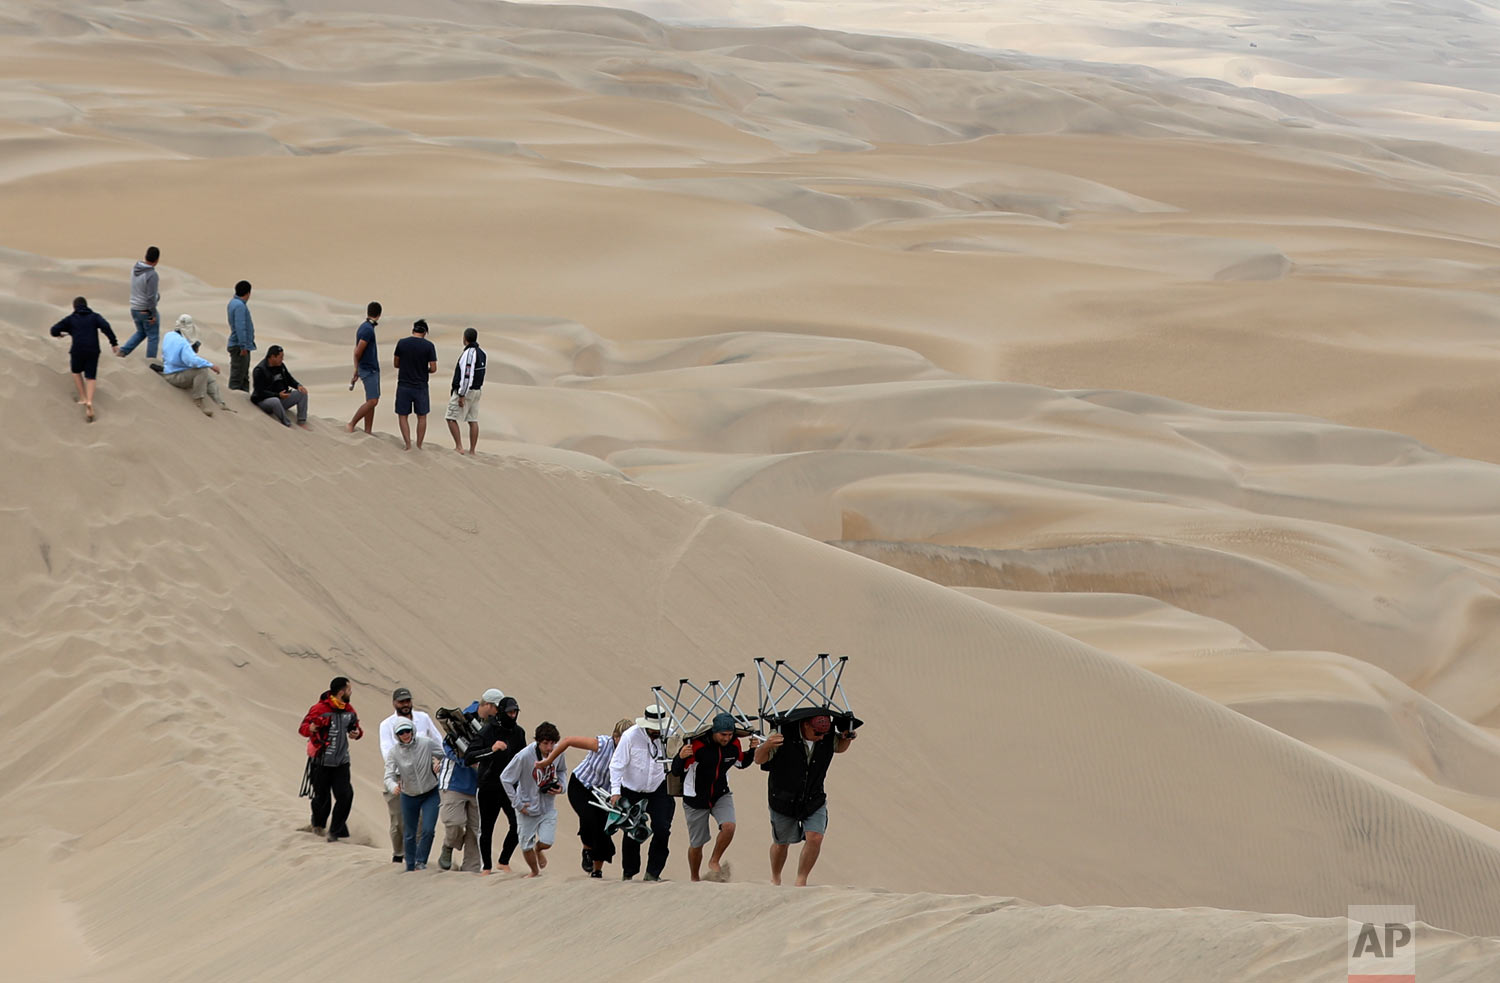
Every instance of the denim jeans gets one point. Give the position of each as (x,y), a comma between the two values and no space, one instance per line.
(418,842)
(145,331)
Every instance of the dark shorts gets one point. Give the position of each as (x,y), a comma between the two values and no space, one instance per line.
(86,363)
(410,400)
(371,379)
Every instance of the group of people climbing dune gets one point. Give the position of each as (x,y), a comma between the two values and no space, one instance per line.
(477,764)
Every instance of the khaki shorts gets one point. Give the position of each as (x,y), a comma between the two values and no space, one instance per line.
(721,811)
(467,413)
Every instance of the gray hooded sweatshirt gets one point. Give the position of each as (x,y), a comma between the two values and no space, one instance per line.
(145,289)
(519,779)
(411,766)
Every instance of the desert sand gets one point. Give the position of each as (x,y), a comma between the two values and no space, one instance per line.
(1132,435)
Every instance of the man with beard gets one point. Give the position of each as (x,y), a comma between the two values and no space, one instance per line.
(329,726)
(797,756)
(424,727)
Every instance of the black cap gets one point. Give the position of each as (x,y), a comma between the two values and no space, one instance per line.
(508,704)
(402,693)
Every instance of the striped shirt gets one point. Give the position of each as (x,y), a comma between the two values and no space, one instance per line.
(593,770)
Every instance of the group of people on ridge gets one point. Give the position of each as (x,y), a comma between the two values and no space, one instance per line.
(470,784)
(270,384)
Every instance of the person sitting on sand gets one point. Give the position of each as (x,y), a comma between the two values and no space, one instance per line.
(592,772)
(329,726)
(704,764)
(183,367)
(84,326)
(411,772)
(468,386)
(275,391)
(797,756)
(532,789)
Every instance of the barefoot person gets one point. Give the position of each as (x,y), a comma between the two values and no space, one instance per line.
(329,726)
(401,704)
(275,391)
(366,368)
(638,773)
(411,774)
(468,381)
(533,789)
(704,765)
(797,756)
(415,360)
(183,367)
(592,772)
(84,326)
(145,294)
(241,337)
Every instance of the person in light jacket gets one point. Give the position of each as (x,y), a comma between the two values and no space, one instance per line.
(411,769)
(532,789)
(241,337)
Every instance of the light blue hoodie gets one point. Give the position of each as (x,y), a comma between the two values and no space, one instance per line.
(177,355)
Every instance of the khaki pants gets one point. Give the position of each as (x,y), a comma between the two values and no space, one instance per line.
(460,816)
(200,381)
(393,803)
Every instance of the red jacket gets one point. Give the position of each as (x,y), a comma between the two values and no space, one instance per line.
(315,724)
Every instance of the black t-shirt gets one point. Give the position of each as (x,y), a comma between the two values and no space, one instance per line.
(415,353)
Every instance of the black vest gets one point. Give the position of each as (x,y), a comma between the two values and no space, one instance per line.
(795,784)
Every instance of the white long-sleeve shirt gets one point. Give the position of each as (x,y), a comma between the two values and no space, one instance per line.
(420,722)
(636,763)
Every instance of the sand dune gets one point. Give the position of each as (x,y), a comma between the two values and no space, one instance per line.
(1100,414)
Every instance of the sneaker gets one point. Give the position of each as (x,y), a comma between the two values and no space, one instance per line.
(588,860)
(445,859)
(318,830)
(332,836)
(627,877)
(651,877)
(421,866)
(396,858)
(596,873)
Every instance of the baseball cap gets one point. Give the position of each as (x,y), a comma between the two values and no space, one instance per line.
(403,724)
(402,693)
(492,696)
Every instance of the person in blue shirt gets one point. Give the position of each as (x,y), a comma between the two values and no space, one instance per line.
(241,337)
(83,326)
(183,367)
(366,368)
(416,359)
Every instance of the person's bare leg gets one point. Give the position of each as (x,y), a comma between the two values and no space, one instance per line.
(541,854)
(78,383)
(695,858)
(421,429)
(458,442)
(405,430)
(530,857)
(778,860)
(808,857)
(366,412)
(88,398)
(599,866)
(721,843)
(473,436)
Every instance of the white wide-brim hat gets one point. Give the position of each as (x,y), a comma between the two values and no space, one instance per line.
(187,327)
(655,718)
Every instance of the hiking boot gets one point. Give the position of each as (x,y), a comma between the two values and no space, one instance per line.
(445,859)
(588,860)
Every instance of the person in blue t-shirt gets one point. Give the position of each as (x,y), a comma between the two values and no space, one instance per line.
(416,359)
(366,368)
